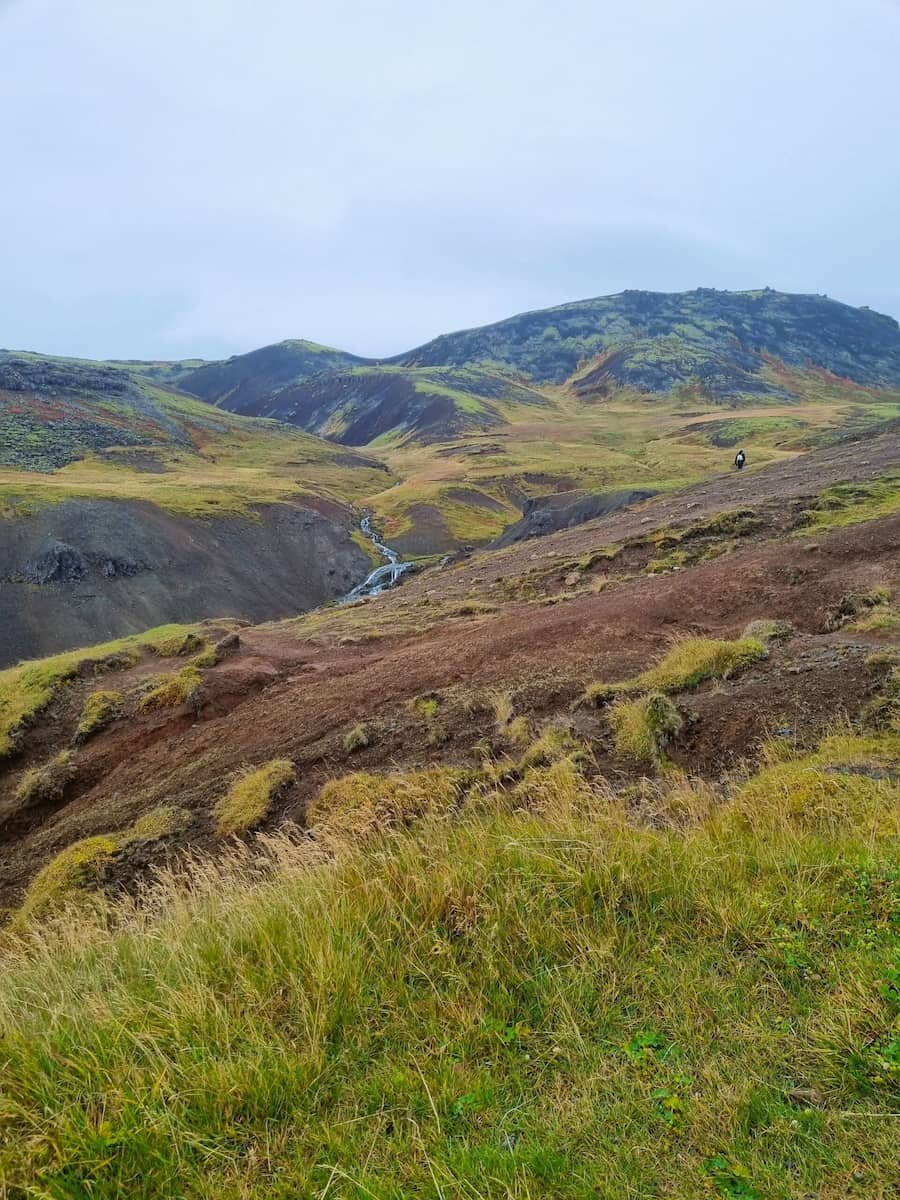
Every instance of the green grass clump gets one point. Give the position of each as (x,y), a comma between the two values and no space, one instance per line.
(78,866)
(768,630)
(555,743)
(880,619)
(687,664)
(848,782)
(883,712)
(547,1003)
(425,706)
(206,658)
(43,784)
(360,804)
(100,709)
(246,803)
(669,562)
(643,728)
(158,823)
(854,604)
(850,503)
(358,738)
(171,691)
(179,644)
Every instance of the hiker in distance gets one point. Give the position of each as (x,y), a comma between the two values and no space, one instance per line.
(739,459)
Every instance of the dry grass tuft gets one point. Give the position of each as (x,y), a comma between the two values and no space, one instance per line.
(643,728)
(43,784)
(171,691)
(100,710)
(360,804)
(688,663)
(78,866)
(358,738)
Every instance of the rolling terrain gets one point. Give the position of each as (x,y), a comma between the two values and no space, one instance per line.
(565,869)
(615,395)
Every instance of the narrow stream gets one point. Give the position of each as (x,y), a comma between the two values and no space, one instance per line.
(382,577)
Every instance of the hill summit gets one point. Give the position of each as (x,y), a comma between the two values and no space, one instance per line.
(723,346)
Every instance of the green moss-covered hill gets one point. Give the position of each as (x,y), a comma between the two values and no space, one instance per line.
(667,339)
(725,348)
(73,428)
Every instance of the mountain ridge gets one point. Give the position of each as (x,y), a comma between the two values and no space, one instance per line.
(720,344)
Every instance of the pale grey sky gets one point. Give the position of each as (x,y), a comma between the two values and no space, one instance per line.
(204,176)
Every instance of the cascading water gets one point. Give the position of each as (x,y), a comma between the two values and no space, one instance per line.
(383,577)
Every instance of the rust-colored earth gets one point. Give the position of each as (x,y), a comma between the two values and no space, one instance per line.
(539,620)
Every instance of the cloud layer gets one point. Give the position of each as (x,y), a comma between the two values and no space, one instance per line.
(198,177)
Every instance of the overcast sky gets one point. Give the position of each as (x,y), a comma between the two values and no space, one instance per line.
(200,177)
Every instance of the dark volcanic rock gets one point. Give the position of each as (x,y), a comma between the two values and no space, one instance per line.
(546,514)
(58,563)
(105,569)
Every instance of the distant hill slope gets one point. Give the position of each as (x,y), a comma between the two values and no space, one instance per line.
(242,383)
(427,404)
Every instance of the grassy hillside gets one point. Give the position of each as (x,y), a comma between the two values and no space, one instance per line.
(532,992)
(630,392)
(388,404)
(72,429)
(469,488)
(569,870)
(243,381)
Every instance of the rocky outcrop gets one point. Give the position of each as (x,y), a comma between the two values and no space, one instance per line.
(59,563)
